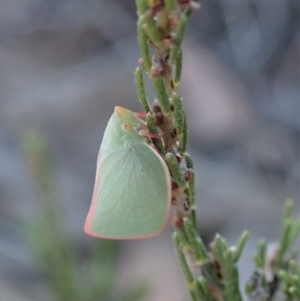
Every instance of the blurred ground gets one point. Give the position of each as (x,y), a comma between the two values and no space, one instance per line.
(65,64)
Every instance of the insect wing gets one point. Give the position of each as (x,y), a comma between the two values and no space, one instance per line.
(132,194)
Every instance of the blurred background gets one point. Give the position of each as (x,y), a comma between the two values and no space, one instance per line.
(64,65)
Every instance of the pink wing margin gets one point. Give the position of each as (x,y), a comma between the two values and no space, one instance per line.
(87,225)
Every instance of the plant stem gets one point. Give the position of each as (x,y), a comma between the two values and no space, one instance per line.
(210,274)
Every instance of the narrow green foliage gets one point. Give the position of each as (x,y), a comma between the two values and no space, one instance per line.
(205,293)
(182,236)
(141,89)
(143,45)
(200,293)
(170,5)
(179,114)
(259,258)
(295,292)
(291,282)
(276,260)
(178,68)
(294,231)
(211,273)
(218,248)
(152,128)
(174,53)
(194,295)
(235,284)
(199,250)
(189,161)
(287,213)
(240,246)
(184,137)
(256,260)
(142,6)
(191,189)
(284,276)
(184,267)
(175,169)
(284,241)
(290,231)
(225,258)
(149,25)
(294,268)
(177,38)
(161,93)
(229,290)
(262,249)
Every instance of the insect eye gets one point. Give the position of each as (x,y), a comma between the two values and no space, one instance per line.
(126,127)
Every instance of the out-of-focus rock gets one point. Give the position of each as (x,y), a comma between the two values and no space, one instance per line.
(218,108)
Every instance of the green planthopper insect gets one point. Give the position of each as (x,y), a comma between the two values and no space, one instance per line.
(132,193)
